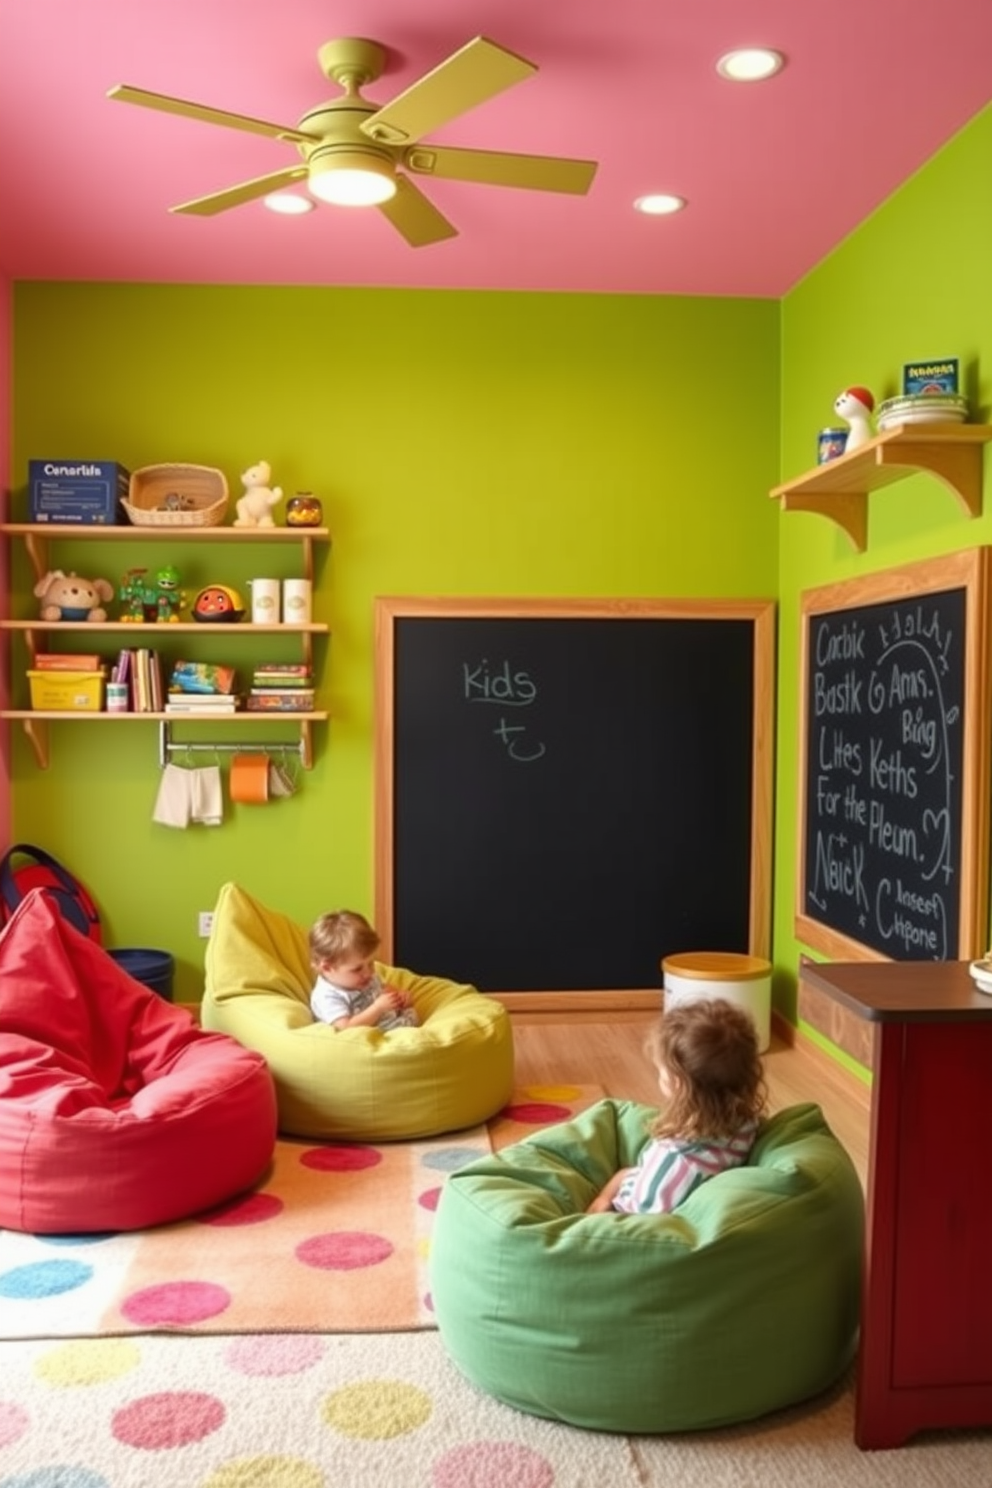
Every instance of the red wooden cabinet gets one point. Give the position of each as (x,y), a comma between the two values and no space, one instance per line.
(926,1323)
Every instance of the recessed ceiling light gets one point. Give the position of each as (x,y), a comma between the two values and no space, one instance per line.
(659,205)
(288,204)
(750,64)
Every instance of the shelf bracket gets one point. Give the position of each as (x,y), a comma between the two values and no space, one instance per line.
(36,730)
(848,509)
(959,466)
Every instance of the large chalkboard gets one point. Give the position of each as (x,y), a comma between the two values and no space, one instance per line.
(568,791)
(895,780)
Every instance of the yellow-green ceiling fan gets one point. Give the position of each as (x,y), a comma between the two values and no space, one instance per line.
(353,150)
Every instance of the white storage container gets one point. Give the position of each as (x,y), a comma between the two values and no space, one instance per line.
(744,980)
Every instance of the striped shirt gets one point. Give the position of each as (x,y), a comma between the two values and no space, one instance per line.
(669,1170)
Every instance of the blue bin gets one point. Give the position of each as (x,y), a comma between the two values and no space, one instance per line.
(152,968)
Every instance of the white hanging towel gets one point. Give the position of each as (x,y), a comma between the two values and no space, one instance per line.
(207,805)
(173,804)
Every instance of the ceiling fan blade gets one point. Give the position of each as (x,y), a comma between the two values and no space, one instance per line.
(167,105)
(496,168)
(234,196)
(477,71)
(414,217)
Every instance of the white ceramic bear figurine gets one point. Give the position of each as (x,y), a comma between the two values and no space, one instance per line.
(255,506)
(855,405)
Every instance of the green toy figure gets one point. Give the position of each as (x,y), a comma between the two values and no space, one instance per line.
(142,600)
(170,597)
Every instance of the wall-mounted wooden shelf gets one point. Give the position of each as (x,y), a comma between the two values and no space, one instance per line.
(839,489)
(37,537)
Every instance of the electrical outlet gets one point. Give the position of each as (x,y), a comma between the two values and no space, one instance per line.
(206,922)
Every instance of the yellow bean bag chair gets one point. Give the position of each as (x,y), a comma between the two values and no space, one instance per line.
(454,1071)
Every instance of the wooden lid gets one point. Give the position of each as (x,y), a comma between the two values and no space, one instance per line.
(717,966)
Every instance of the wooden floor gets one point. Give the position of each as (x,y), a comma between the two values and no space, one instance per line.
(558,1050)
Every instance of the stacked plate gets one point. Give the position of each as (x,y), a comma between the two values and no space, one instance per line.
(921,408)
(981,972)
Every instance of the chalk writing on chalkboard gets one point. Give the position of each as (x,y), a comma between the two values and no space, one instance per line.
(886,743)
(505,687)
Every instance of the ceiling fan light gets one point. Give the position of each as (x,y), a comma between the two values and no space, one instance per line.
(287,203)
(659,204)
(351,178)
(750,64)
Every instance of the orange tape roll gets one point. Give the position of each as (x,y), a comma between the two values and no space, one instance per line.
(250,778)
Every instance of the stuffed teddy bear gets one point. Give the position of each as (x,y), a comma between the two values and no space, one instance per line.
(66,596)
(255,506)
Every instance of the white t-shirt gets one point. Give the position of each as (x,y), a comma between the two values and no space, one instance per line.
(328,1003)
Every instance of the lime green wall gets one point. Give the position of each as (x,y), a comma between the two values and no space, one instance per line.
(462,443)
(912,282)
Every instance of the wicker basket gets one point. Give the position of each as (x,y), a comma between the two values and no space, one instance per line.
(198,491)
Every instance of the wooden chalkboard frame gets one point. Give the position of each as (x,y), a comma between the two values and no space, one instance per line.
(761,616)
(967,572)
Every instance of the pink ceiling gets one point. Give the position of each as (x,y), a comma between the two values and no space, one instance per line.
(776,174)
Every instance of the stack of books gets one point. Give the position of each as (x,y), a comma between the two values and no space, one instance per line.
(141,671)
(281,688)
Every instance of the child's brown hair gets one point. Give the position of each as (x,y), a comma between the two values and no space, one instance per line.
(709,1050)
(339,934)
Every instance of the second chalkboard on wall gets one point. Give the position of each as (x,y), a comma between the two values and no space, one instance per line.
(569,790)
(895,751)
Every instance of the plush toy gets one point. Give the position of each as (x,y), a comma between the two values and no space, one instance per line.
(68,597)
(855,405)
(255,506)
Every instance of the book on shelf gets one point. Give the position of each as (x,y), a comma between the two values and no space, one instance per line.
(202,677)
(202,702)
(155,689)
(295,700)
(140,686)
(283,691)
(281,681)
(289,669)
(123,667)
(65,661)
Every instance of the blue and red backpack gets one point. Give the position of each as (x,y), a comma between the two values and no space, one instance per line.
(24,867)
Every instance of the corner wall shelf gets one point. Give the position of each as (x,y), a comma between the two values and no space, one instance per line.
(839,489)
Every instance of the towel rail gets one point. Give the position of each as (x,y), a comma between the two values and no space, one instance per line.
(168,746)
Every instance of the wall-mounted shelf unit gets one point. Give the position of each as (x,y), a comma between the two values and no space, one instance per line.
(38,541)
(839,489)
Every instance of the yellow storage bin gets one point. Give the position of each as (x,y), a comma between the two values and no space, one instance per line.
(67,692)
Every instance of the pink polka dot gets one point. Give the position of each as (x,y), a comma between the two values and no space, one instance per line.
(176,1302)
(430,1199)
(275,1353)
(13,1422)
(253,1208)
(344,1250)
(492,1465)
(173,1419)
(332,1159)
(537,1113)
(428,1302)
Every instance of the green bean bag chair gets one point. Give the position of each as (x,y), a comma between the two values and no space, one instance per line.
(360,1084)
(743,1301)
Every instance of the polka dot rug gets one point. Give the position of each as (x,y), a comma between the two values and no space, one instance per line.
(335,1239)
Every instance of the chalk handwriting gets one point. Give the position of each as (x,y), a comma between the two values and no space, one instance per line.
(883,774)
(504,687)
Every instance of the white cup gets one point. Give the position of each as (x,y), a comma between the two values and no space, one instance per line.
(264,601)
(297,601)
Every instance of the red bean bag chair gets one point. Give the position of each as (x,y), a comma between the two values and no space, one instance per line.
(116,1111)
